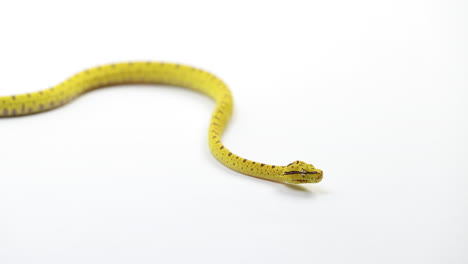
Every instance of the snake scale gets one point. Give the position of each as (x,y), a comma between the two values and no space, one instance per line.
(165,74)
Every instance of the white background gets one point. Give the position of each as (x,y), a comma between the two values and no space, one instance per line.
(372,92)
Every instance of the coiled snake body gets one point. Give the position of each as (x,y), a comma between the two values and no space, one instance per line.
(165,74)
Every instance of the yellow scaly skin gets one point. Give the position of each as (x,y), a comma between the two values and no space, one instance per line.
(165,74)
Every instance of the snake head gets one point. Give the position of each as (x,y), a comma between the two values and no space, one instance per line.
(301,172)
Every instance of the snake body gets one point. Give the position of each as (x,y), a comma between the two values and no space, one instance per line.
(166,74)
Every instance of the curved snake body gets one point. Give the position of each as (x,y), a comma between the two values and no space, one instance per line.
(165,74)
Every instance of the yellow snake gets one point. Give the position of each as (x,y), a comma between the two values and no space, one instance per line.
(165,74)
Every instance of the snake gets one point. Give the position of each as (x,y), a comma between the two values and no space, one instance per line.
(170,74)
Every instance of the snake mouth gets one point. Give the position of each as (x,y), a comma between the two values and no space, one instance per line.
(301,181)
(304,179)
(300,172)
